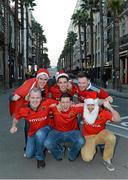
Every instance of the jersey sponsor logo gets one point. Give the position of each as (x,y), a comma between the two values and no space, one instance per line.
(38,119)
(92,125)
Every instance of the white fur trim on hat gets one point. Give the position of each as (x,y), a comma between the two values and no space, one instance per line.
(61,74)
(42,73)
(91,101)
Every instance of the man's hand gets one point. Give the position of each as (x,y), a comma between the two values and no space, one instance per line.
(13,129)
(16,97)
(110,99)
(107,105)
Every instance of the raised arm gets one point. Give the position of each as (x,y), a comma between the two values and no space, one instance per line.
(115,114)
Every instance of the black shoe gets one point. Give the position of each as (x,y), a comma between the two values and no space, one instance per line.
(71,160)
(60,159)
(40,163)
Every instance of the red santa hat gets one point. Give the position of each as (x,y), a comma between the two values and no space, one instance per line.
(61,73)
(42,71)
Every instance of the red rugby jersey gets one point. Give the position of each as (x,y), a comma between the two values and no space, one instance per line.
(99,124)
(66,121)
(56,93)
(91,94)
(36,119)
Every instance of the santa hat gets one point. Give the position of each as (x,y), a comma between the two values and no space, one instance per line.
(61,73)
(91,101)
(42,71)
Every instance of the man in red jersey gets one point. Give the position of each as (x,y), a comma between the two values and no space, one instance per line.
(86,89)
(65,129)
(62,86)
(20,96)
(36,114)
(94,120)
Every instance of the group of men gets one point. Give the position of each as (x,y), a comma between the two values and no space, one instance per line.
(51,114)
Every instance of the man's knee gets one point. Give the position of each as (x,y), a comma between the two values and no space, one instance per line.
(81,141)
(86,156)
(111,138)
(47,144)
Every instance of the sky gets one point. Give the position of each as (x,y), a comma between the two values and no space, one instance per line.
(55,17)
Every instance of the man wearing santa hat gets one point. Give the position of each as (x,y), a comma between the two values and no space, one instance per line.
(62,86)
(94,120)
(20,96)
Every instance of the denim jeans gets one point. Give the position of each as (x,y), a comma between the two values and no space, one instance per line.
(35,144)
(55,139)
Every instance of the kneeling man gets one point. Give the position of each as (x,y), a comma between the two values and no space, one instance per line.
(94,131)
(65,129)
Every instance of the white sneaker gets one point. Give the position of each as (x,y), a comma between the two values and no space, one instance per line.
(24,154)
(108,164)
(49,151)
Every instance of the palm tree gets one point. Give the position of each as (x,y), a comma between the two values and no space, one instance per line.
(77,21)
(71,39)
(85,20)
(115,7)
(40,39)
(90,5)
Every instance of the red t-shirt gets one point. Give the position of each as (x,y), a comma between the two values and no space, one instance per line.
(66,121)
(99,124)
(91,94)
(56,93)
(36,119)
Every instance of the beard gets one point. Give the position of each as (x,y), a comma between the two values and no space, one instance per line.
(90,117)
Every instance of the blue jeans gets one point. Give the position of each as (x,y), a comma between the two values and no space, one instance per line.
(55,139)
(35,143)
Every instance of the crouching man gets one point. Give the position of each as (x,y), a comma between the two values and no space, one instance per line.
(65,129)
(36,114)
(95,133)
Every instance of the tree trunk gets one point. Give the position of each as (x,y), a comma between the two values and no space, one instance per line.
(16,42)
(6,57)
(27,33)
(91,31)
(81,63)
(116,59)
(85,48)
(22,37)
(102,43)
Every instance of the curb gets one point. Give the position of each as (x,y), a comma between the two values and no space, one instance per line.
(117,94)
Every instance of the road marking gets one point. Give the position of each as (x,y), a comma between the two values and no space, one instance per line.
(125,117)
(124,124)
(114,105)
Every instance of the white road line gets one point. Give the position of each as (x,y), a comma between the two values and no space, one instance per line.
(125,117)
(114,105)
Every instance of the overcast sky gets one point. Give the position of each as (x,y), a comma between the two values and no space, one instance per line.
(54,16)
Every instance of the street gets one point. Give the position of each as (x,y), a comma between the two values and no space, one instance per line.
(13,165)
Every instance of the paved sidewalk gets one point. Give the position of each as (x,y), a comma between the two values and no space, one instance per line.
(117,93)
